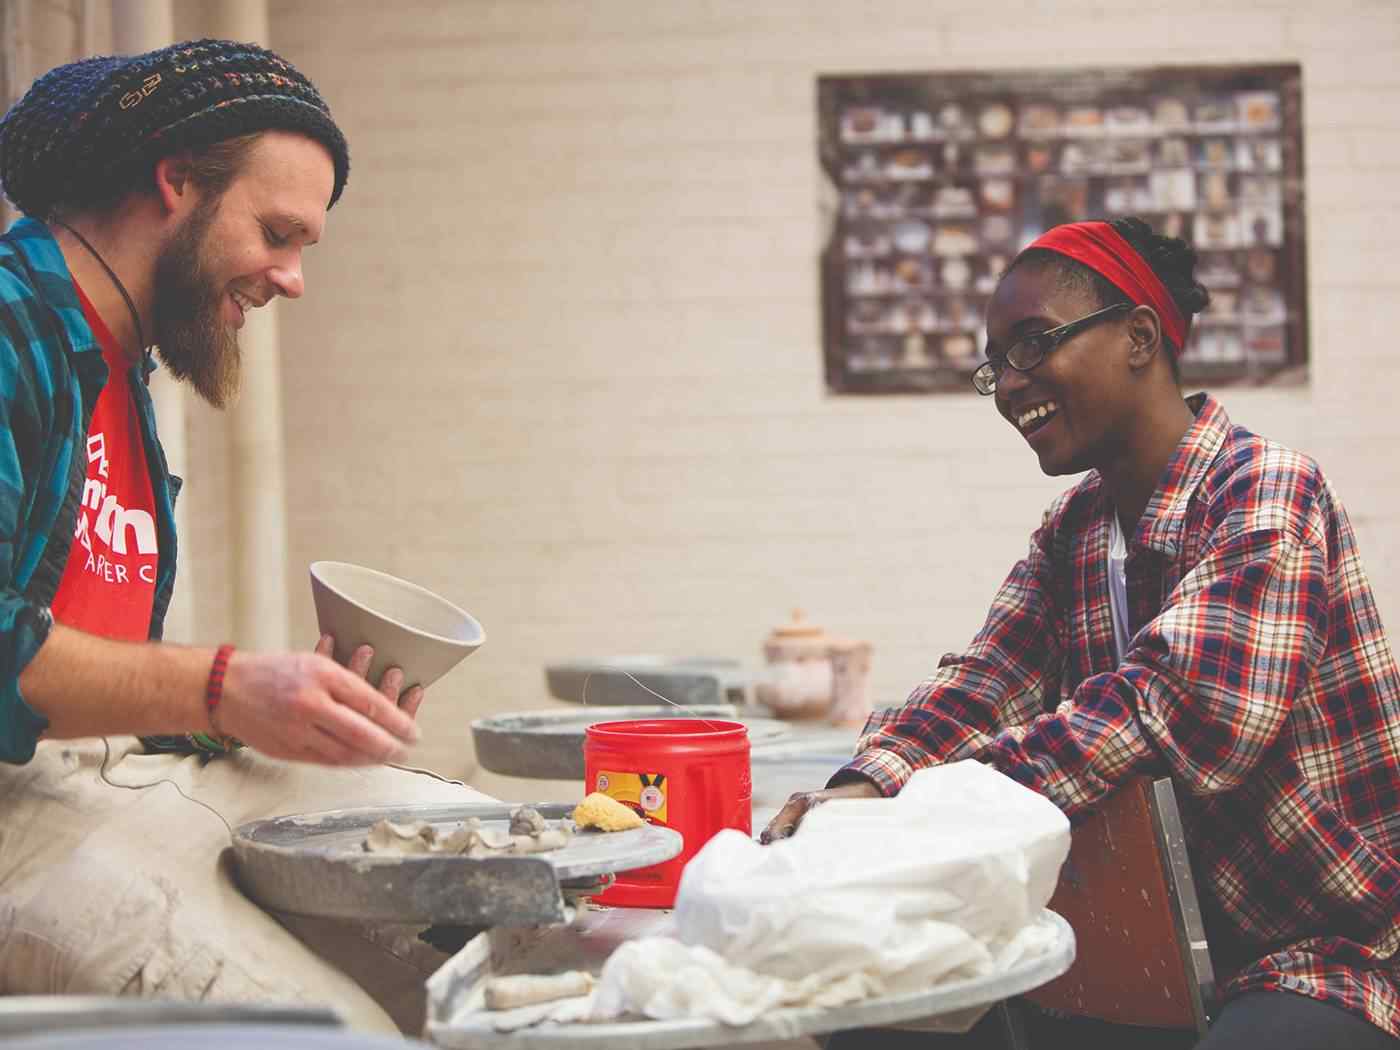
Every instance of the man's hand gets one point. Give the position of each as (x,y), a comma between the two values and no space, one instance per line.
(290,705)
(799,805)
(391,684)
(305,706)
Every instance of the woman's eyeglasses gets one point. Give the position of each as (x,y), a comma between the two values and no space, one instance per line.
(1030,350)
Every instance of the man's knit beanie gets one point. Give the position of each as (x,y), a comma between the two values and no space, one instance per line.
(88,132)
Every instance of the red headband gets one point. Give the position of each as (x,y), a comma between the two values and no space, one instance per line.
(1102,248)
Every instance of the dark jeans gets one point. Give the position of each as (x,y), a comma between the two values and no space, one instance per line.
(1257,1021)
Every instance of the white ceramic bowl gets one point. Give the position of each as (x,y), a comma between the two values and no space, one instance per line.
(410,627)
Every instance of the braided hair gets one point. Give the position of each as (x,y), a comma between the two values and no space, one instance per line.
(1172,259)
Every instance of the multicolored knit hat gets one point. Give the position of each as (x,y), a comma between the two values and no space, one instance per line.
(87,133)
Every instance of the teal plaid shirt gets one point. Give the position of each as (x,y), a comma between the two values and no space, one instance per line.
(51,371)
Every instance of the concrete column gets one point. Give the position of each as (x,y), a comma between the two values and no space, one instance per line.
(258,492)
(54,31)
(94,35)
(142,25)
(137,26)
(16,69)
(35,36)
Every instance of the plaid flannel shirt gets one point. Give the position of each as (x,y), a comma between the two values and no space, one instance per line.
(1258,677)
(51,371)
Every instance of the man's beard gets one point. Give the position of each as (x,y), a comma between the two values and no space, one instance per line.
(192,339)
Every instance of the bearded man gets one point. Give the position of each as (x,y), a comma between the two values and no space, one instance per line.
(165,195)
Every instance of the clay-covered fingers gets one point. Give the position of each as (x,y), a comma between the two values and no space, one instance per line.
(412,700)
(360,660)
(789,817)
(391,685)
(391,682)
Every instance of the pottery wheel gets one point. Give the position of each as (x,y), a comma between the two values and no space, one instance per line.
(454,1025)
(626,681)
(548,745)
(314,864)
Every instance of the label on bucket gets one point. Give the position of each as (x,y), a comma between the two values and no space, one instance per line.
(644,793)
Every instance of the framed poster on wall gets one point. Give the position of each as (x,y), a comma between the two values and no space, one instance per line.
(938,179)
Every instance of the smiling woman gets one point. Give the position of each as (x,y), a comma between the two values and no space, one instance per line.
(1232,643)
(1029,350)
(1108,397)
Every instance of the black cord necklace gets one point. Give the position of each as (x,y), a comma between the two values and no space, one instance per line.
(135,317)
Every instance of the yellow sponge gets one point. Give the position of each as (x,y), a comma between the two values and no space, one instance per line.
(605,813)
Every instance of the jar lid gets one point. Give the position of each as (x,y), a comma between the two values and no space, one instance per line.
(798,629)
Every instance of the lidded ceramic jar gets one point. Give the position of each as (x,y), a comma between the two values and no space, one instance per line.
(799,679)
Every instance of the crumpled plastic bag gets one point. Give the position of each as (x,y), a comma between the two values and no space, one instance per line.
(559,1011)
(870,897)
(662,978)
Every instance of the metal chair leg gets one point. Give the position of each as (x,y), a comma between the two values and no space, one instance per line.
(1012,1025)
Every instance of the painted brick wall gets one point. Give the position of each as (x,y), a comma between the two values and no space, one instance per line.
(559,357)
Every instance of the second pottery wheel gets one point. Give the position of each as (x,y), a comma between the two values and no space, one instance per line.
(314,864)
(548,745)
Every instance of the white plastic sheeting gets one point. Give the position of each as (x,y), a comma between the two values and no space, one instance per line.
(870,897)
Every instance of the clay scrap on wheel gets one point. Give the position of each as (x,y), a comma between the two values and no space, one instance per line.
(528,833)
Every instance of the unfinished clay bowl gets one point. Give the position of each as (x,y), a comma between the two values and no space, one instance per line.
(408,626)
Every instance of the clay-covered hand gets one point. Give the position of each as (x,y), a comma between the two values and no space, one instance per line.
(305,706)
(789,818)
(391,684)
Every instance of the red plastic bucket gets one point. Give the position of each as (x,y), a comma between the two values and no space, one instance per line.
(690,774)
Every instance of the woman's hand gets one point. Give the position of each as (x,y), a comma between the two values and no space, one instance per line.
(799,805)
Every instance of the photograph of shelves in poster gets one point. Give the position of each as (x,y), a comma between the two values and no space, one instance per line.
(939,179)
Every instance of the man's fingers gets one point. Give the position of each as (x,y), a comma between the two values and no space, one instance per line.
(391,684)
(397,721)
(368,742)
(360,660)
(325,646)
(355,693)
(323,747)
(412,700)
(373,709)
